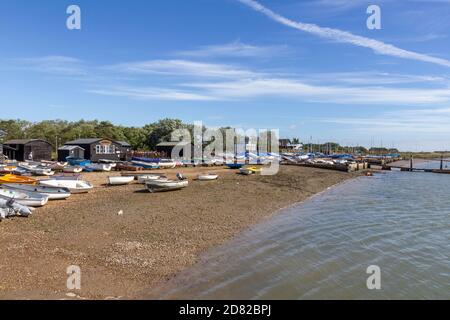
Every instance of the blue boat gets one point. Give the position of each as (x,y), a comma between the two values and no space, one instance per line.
(150,160)
(145,165)
(235,165)
(78,162)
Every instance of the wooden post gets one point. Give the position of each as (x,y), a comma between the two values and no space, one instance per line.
(411,161)
(442,162)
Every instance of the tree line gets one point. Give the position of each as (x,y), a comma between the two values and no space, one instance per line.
(58,132)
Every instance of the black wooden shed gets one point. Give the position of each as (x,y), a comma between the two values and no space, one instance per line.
(96,149)
(70,151)
(28,149)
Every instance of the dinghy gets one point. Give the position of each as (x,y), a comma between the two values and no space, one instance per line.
(72,169)
(118,181)
(234,165)
(101,167)
(207,177)
(246,171)
(75,186)
(53,193)
(29,199)
(78,162)
(145,165)
(168,185)
(167,164)
(13,208)
(10,178)
(150,177)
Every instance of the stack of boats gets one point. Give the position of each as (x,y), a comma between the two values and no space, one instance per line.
(19,194)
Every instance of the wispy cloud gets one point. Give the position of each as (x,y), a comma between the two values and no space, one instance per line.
(182,68)
(433,120)
(346,37)
(235,49)
(151,93)
(56,65)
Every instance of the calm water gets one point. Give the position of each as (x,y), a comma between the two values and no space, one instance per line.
(322,248)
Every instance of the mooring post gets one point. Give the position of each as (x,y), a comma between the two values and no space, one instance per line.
(442,162)
(411,161)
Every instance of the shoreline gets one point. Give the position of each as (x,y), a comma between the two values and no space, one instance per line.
(154,293)
(156,238)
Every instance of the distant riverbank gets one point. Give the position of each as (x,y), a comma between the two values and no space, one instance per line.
(156,237)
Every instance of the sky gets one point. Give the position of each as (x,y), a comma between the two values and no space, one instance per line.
(312,69)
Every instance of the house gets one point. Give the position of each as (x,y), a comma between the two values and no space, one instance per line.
(28,149)
(96,149)
(70,151)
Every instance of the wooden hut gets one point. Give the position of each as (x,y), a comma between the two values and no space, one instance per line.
(70,151)
(96,149)
(125,149)
(28,149)
(166,148)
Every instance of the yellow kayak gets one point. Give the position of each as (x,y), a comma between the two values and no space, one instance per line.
(11,178)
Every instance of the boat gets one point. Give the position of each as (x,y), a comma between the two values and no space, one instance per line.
(75,186)
(235,165)
(246,171)
(128,167)
(148,160)
(117,181)
(29,199)
(11,207)
(53,193)
(207,177)
(7,169)
(78,162)
(102,167)
(254,169)
(150,177)
(167,164)
(165,185)
(36,169)
(72,169)
(11,178)
(145,165)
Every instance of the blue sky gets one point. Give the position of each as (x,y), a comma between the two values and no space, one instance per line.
(309,68)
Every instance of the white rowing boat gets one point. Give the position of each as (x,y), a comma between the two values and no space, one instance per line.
(72,169)
(207,177)
(167,185)
(118,181)
(150,177)
(75,186)
(53,193)
(29,199)
(167,164)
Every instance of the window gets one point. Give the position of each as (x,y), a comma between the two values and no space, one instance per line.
(105,149)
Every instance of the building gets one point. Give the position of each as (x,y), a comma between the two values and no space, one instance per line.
(28,149)
(125,148)
(70,151)
(166,148)
(96,149)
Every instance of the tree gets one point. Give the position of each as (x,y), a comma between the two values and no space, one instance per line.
(161,131)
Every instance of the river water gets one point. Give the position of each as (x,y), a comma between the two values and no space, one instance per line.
(321,249)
